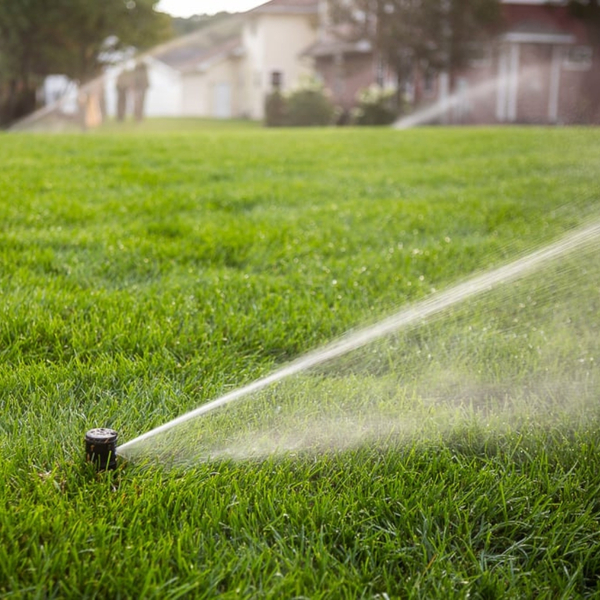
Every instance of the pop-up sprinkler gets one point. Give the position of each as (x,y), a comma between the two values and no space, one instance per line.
(101,448)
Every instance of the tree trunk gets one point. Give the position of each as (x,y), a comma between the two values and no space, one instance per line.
(17,101)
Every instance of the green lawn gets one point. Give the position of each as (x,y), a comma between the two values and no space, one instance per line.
(176,125)
(143,275)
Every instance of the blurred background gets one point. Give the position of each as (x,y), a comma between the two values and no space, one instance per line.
(82,65)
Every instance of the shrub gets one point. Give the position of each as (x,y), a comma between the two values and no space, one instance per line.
(305,106)
(309,106)
(376,106)
(275,109)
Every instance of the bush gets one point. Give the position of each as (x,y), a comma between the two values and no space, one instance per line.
(376,106)
(306,106)
(309,107)
(275,110)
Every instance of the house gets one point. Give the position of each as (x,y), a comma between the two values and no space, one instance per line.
(170,93)
(226,70)
(346,64)
(542,69)
(273,37)
(537,71)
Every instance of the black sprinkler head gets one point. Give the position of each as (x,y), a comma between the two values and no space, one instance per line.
(101,448)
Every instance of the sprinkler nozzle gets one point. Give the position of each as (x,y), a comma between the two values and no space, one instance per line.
(101,448)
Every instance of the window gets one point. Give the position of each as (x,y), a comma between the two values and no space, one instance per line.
(276,80)
(578,58)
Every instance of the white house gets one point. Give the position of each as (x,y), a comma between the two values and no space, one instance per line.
(226,70)
(274,37)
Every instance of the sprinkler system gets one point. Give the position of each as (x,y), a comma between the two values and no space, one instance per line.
(101,448)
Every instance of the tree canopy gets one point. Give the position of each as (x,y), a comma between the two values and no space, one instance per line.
(438,34)
(70,37)
(183,25)
(588,11)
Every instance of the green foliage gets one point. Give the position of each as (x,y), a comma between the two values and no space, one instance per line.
(306,106)
(588,12)
(275,109)
(309,105)
(143,275)
(185,25)
(375,106)
(38,38)
(441,34)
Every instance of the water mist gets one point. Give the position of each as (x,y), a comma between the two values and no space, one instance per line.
(516,345)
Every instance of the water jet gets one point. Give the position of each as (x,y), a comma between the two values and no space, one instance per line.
(298,406)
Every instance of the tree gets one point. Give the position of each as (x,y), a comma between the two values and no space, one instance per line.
(71,37)
(588,11)
(183,26)
(421,34)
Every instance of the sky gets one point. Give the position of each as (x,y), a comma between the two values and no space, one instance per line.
(187,8)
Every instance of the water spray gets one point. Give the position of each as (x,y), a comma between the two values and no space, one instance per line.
(101,448)
(481,92)
(585,237)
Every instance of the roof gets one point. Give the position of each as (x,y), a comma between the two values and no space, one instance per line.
(199,49)
(332,47)
(533,31)
(229,49)
(287,6)
(199,46)
(544,23)
(537,2)
(339,39)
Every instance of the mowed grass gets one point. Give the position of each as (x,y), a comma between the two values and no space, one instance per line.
(176,125)
(144,275)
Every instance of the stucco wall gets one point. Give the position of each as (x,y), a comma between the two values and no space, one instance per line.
(194,95)
(227,74)
(274,43)
(286,36)
(253,41)
(201,95)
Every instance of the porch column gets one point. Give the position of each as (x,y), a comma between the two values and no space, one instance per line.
(513,83)
(553,94)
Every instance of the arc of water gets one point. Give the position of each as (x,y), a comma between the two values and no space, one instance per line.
(405,317)
(444,105)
